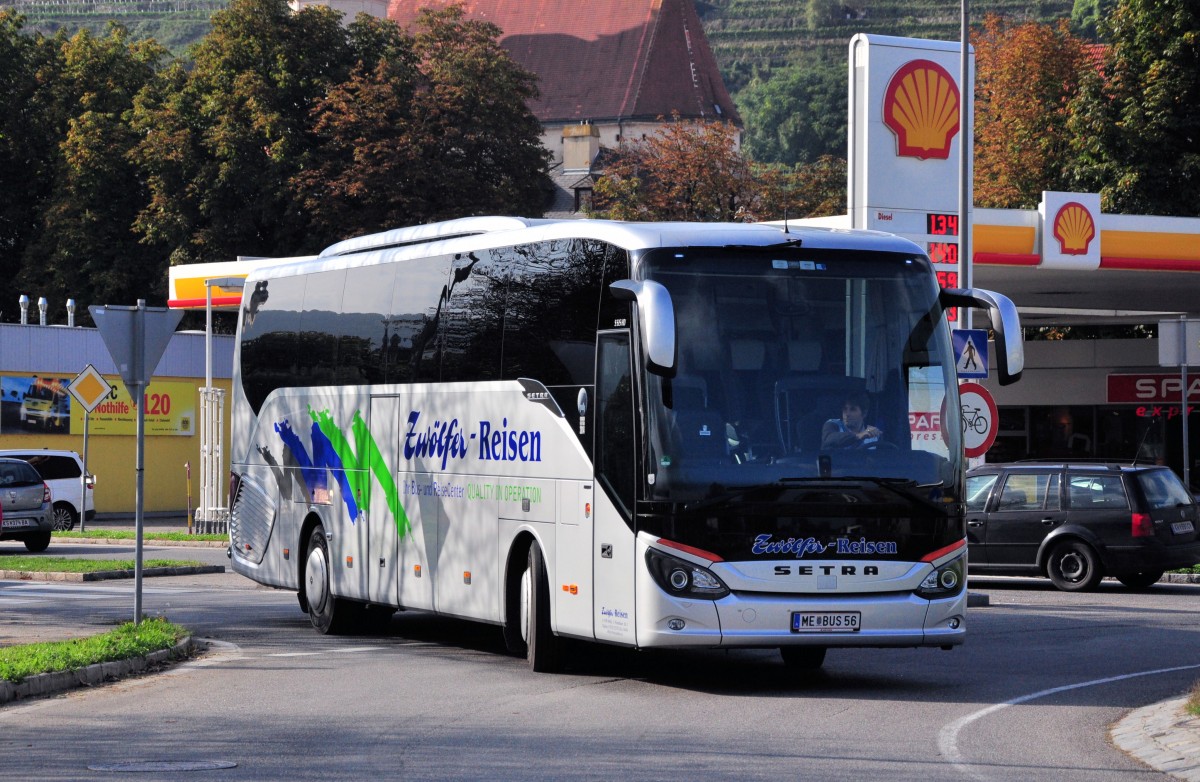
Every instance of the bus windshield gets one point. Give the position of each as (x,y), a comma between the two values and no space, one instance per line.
(796,365)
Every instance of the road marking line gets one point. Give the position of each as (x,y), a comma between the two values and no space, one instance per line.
(948,735)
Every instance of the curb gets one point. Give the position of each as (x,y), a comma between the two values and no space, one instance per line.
(107,575)
(146,542)
(1163,736)
(1180,578)
(92,675)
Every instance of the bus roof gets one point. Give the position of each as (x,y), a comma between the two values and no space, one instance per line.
(481,233)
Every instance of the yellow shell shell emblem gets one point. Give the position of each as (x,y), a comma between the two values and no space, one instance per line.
(921,107)
(1074,228)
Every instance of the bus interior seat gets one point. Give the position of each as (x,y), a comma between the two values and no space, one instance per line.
(746,355)
(804,355)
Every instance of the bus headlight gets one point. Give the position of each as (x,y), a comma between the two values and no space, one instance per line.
(679,578)
(945,581)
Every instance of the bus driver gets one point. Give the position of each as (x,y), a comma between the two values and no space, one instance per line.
(851,430)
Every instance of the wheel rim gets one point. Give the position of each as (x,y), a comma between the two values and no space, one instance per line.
(526,597)
(1072,567)
(317,588)
(62,519)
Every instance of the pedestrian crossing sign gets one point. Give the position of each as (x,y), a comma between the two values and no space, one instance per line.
(971,353)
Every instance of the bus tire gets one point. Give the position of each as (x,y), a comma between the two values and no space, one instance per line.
(328,614)
(803,658)
(543,648)
(516,605)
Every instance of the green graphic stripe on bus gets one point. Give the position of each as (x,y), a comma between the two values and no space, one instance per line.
(353,461)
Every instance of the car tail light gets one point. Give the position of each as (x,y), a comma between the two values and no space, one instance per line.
(90,481)
(45,492)
(1143,526)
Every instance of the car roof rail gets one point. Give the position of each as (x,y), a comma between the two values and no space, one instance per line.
(1078,462)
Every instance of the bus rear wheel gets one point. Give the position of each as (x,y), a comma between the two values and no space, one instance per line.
(328,614)
(543,648)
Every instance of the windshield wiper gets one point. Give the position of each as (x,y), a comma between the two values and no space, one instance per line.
(902,486)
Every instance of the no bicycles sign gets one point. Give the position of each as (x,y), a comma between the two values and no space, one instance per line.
(979,418)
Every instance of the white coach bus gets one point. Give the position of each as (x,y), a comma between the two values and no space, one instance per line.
(610,432)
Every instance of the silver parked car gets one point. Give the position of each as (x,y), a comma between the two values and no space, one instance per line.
(25,502)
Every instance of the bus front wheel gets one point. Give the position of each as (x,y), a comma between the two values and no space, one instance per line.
(327,613)
(543,648)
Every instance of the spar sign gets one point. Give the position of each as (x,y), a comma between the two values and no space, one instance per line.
(979,418)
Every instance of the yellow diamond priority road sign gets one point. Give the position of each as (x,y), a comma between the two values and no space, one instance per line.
(89,388)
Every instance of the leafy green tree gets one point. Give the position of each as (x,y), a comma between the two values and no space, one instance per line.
(85,247)
(27,138)
(1027,75)
(1136,131)
(1086,16)
(438,128)
(795,114)
(221,141)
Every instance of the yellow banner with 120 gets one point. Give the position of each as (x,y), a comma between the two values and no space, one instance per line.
(170,410)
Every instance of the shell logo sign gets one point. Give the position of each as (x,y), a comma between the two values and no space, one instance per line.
(1074,228)
(921,107)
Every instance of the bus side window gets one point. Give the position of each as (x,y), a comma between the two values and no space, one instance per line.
(615,452)
(472,319)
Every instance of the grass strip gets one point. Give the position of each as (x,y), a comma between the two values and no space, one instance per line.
(1193,701)
(72,565)
(120,534)
(20,662)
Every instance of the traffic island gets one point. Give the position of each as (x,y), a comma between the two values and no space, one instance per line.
(106,575)
(43,684)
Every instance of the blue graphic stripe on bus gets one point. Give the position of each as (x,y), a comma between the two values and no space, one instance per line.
(312,476)
(352,467)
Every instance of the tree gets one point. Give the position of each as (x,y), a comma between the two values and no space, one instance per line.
(438,128)
(816,189)
(1136,130)
(694,171)
(795,114)
(85,247)
(221,141)
(686,171)
(28,134)
(1086,16)
(1027,75)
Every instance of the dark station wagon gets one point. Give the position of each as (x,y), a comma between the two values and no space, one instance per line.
(1077,523)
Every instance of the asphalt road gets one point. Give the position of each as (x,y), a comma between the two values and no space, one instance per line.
(1030,696)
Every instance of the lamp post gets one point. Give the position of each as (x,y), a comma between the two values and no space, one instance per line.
(966,141)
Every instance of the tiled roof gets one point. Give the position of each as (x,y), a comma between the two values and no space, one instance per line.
(606,59)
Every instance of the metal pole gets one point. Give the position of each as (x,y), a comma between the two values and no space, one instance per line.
(966,140)
(87,415)
(1183,385)
(139,399)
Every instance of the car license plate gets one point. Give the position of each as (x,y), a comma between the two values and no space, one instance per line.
(1182,527)
(826,621)
(15,523)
